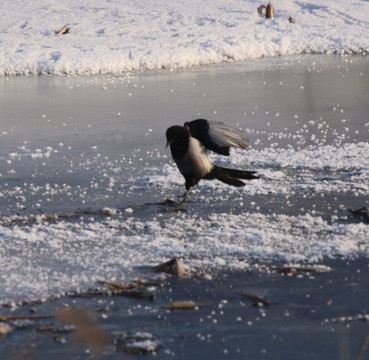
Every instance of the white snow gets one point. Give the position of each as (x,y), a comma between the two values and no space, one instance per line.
(348,166)
(117,36)
(52,258)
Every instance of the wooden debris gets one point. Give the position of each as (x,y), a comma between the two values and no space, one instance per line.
(269,11)
(33,218)
(260,9)
(141,347)
(24,317)
(173,207)
(5,329)
(135,292)
(52,217)
(329,302)
(363,212)
(183,305)
(58,329)
(46,329)
(171,267)
(86,330)
(256,299)
(100,213)
(136,285)
(63,31)
(90,294)
(117,286)
(127,293)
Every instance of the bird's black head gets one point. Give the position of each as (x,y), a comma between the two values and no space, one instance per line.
(178,138)
(177,135)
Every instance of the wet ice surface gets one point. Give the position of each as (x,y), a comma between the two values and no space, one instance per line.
(308,317)
(71,144)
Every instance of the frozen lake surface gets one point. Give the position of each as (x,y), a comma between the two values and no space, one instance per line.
(72,144)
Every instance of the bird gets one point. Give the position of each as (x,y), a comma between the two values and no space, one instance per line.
(189,144)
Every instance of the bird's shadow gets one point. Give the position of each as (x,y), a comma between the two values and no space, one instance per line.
(170,205)
(174,206)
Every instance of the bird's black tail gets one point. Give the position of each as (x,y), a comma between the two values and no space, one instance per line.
(231,176)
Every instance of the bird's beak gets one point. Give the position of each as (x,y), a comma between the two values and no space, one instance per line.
(169,142)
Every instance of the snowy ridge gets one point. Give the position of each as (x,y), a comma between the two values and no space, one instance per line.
(53,258)
(115,37)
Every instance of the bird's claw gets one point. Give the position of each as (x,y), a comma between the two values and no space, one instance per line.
(175,206)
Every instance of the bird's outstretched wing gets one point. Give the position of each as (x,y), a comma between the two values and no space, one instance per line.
(216,136)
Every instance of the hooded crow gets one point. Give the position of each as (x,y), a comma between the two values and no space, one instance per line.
(188,145)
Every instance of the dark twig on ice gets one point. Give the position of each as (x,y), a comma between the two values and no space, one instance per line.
(136,289)
(363,213)
(24,317)
(172,207)
(133,293)
(256,299)
(53,217)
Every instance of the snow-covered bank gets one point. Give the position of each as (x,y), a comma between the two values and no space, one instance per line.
(115,36)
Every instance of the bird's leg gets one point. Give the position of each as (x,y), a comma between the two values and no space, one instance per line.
(184,196)
(180,206)
(181,203)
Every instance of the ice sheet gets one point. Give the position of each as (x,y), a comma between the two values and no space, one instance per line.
(81,143)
